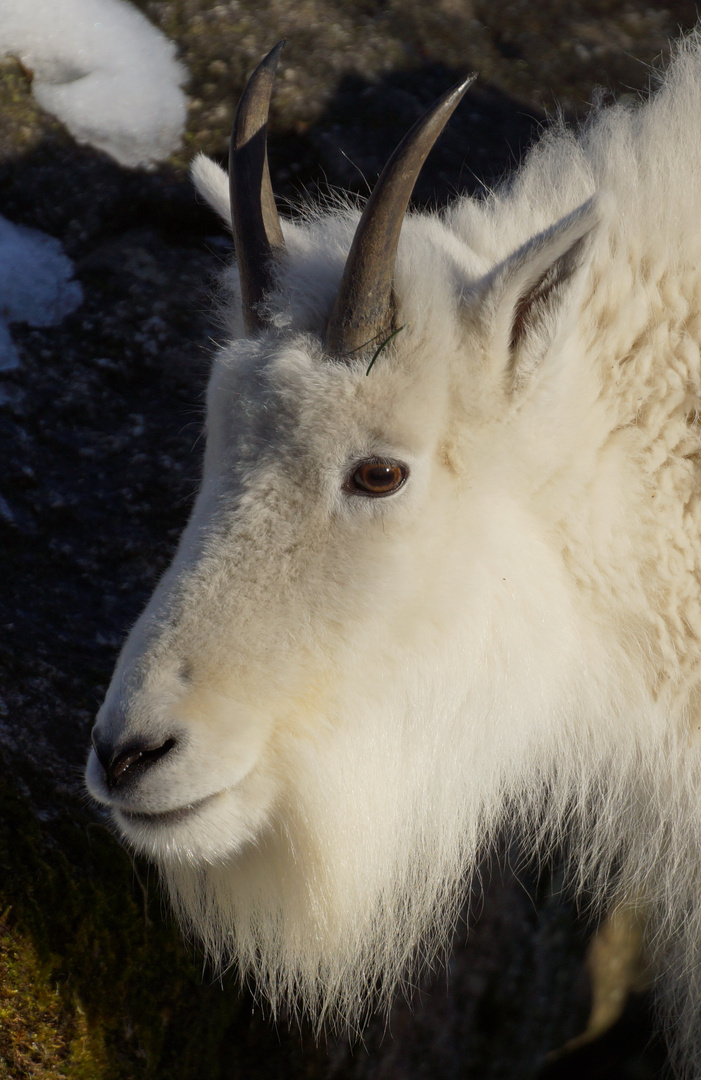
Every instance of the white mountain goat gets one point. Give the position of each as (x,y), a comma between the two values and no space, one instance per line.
(442,575)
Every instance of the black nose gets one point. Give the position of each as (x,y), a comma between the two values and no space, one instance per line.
(121,766)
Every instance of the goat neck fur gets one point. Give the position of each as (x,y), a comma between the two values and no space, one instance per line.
(338,700)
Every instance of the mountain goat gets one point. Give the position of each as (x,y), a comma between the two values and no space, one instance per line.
(442,573)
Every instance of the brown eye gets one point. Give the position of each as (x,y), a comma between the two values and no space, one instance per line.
(376,478)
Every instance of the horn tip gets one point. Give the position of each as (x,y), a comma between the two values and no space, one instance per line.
(266,67)
(271,58)
(464,85)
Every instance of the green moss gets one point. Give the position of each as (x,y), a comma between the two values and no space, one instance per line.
(24,125)
(43,1034)
(92,982)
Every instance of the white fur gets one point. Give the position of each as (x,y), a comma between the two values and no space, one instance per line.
(369,689)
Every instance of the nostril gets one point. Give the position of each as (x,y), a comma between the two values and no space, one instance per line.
(133,760)
(102,749)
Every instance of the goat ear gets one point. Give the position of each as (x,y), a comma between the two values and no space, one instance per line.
(212,183)
(533,297)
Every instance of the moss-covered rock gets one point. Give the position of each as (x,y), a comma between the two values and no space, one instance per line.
(41,1034)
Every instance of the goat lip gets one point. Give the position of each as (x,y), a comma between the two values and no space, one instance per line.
(165,817)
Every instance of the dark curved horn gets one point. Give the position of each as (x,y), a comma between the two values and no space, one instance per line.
(257,233)
(364,307)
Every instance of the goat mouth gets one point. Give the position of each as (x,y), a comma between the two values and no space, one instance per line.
(165,817)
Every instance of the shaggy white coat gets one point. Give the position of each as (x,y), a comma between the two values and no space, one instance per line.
(364,691)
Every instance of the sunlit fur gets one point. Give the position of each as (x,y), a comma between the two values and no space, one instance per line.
(372,687)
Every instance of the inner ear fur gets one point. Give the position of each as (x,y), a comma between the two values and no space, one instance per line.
(533,296)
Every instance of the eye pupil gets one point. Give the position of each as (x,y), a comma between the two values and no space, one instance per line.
(376,478)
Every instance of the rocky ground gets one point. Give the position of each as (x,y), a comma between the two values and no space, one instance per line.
(100,452)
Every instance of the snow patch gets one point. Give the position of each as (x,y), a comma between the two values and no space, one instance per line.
(36,284)
(104,70)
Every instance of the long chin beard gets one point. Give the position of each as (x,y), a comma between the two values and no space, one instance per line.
(310,948)
(321,939)
(357,881)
